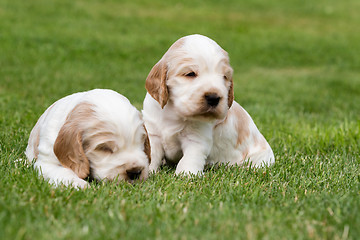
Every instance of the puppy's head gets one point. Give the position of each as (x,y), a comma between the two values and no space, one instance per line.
(195,77)
(105,146)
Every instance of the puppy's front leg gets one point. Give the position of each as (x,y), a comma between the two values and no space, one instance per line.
(157,152)
(192,162)
(196,143)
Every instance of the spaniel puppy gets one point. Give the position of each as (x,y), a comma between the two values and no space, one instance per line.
(190,113)
(96,133)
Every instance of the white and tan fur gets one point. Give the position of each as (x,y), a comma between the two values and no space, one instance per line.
(96,133)
(190,114)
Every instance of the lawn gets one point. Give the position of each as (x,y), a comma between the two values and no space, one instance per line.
(296,71)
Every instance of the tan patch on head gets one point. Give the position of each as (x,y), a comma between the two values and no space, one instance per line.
(176,45)
(99,133)
(68,146)
(242,124)
(156,80)
(181,62)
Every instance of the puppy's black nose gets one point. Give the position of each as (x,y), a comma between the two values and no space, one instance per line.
(212,99)
(134,173)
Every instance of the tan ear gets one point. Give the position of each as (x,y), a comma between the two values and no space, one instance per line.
(231,93)
(147,147)
(156,83)
(230,70)
(68,146)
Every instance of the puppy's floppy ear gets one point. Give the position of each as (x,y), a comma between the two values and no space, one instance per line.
(156,83)
(231,93)
(147,148)
(68,146)
(229,70)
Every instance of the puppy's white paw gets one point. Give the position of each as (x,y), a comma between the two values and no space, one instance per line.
(153,168)
(181,169)
(80,184)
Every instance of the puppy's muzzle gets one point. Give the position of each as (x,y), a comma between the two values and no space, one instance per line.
(212,99)
(134,173)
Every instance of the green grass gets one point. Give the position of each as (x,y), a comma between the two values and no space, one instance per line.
(297,72)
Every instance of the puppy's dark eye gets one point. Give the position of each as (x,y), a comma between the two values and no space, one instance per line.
(225,77)
(191,74)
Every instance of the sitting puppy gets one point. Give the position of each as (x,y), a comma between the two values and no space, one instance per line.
(190,114)
(96,133)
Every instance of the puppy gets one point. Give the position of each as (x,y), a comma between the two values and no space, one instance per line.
(190,112)
(96,133)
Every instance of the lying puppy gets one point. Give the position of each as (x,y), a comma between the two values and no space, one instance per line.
(96,133)
(190,114)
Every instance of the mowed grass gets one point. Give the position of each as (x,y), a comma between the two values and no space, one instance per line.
(297,72)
